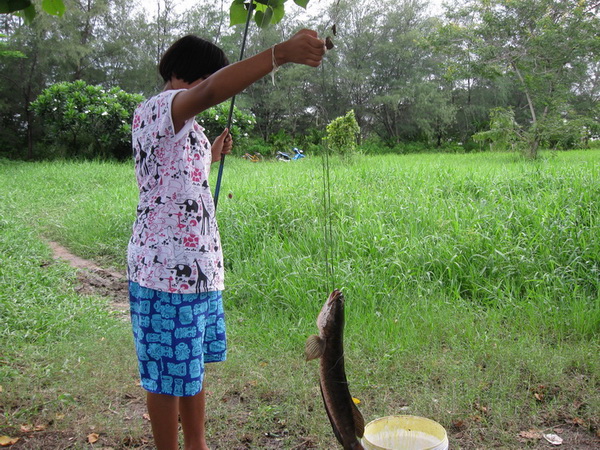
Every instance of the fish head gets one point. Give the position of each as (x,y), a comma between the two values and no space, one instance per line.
(331,317)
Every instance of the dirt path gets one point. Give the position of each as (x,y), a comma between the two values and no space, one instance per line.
(94,280)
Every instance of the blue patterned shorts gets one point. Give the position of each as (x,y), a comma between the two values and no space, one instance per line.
(175,334)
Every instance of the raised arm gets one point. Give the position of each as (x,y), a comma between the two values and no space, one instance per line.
(303,48)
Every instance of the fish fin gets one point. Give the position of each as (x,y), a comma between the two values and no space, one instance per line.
(314,348)
(359,421)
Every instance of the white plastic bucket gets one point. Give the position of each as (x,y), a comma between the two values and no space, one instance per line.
(404,433)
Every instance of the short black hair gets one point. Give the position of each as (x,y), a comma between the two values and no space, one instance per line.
(191,58)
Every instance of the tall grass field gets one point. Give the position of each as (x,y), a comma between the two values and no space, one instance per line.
(471,283)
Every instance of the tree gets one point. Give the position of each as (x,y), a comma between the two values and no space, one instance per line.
(409,98)
(125,51)
(434,111)
(59,49)
(210,20)
(472,95)
(23,79)
(545,46)
(350,72)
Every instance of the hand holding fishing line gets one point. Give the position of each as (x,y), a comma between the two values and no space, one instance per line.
(305,47)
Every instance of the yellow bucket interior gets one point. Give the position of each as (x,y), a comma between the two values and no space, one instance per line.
(404,433)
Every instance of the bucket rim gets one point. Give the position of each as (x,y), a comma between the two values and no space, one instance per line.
(430,427)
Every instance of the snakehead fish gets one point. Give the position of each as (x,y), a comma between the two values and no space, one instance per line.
(346,420)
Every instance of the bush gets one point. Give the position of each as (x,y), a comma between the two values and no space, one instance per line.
(374,145)
(560,133)
(312,136)
(405,148)
(342,134)
(214,120)
(504,132)
(257,145)
(81,120)
(281,141)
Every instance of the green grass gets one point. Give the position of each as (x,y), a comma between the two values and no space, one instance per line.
(471,284)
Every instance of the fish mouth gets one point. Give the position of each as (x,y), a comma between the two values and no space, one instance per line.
(334,303)
(335,296)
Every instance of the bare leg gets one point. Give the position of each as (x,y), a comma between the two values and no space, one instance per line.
(192,411)
(164,418)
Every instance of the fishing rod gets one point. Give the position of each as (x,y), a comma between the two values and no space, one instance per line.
(230,118)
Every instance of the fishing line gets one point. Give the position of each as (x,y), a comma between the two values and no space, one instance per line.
(230,117)
(328,221)
(329,250)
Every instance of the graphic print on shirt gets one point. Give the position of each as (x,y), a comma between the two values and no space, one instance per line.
(175,244)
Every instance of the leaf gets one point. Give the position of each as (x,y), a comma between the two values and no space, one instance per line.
(356,401)
(237,13)
(8,6)
(278,13)
(483,409)
(530,434)
(28,428)
(459,425)
(578,421)
(301,3)
(54,7)
(29,13)
(6,441)
(263,19)
(93,438)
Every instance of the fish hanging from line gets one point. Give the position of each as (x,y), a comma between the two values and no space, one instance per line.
(346,420)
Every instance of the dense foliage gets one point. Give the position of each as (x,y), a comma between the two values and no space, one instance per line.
(214,121)
(414,79)
(343,133)
(86,121)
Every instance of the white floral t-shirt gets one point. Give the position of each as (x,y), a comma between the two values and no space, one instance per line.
(175,246)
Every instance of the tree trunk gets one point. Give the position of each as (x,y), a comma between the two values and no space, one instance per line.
(533,146)
(29,135)
(29,97)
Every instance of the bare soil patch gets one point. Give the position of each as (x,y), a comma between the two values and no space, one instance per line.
(95,280)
